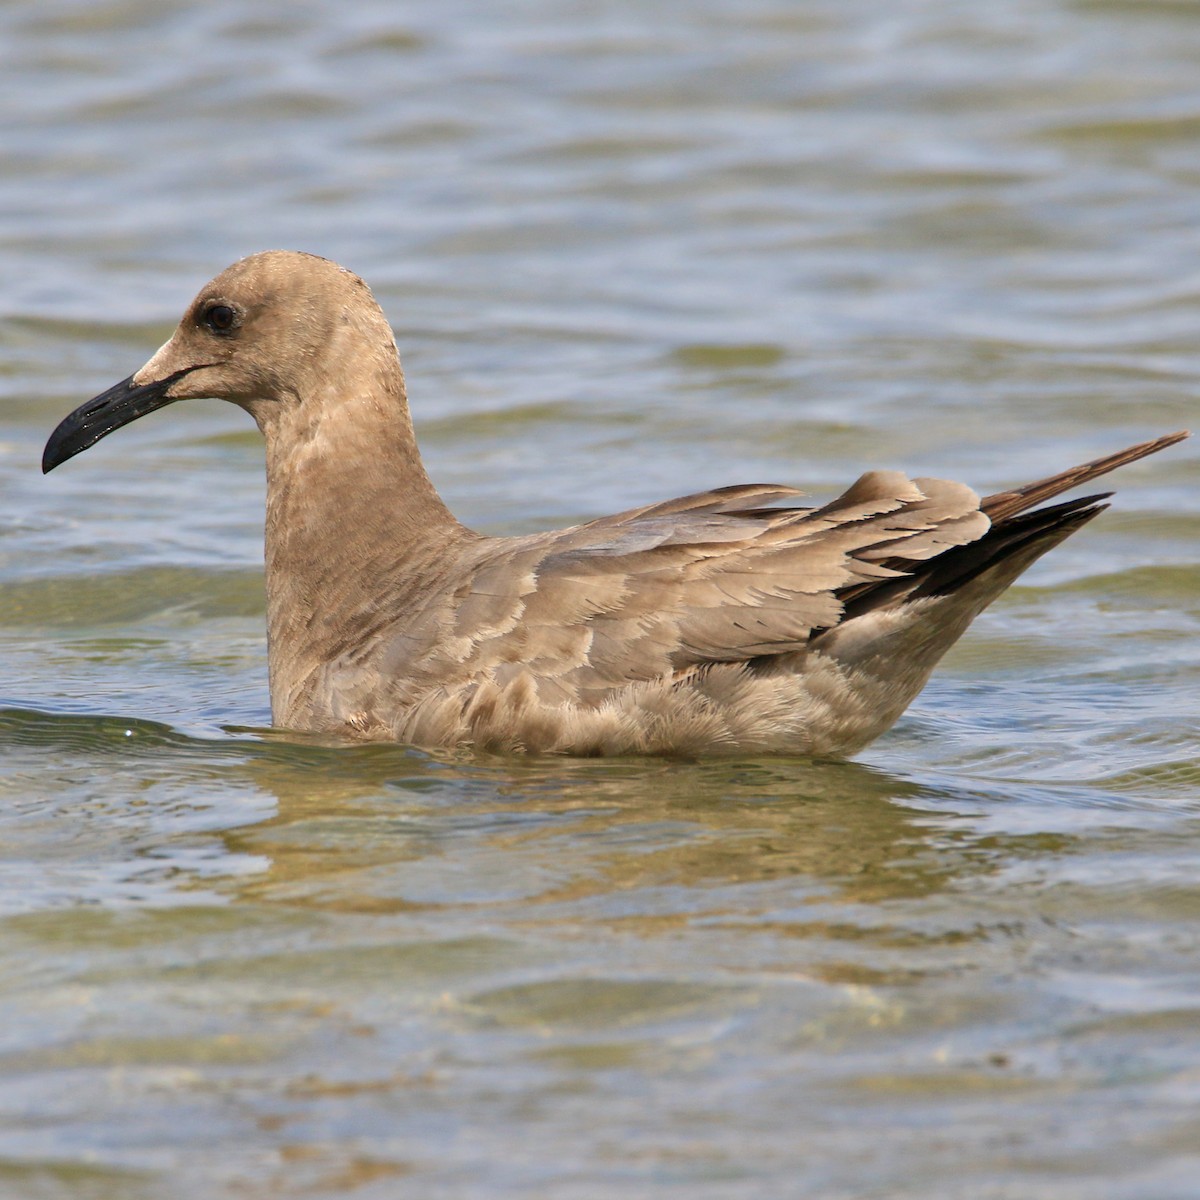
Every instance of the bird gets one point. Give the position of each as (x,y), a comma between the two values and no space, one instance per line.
(730,621)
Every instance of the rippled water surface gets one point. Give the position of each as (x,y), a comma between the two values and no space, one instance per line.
(629,250)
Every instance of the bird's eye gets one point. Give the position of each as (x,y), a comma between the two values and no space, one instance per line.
(220,318)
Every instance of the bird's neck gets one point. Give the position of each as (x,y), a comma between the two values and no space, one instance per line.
(354,525)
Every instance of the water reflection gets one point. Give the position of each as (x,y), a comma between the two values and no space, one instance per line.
(365,828)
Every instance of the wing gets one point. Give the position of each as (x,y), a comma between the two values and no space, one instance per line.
(660,591)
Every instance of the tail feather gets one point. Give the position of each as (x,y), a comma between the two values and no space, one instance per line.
(893,631)
(1002,505)
(1014,532)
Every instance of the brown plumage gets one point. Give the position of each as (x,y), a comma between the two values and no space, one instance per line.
(725,621)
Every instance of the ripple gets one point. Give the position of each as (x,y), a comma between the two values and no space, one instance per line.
(629,251)
(129,596)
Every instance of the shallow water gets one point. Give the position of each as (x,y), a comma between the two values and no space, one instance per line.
(627,252)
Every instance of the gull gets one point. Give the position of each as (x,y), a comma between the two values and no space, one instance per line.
(730,621)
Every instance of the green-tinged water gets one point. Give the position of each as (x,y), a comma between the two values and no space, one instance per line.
(628,251)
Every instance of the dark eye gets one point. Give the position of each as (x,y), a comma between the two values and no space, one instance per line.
(220,318)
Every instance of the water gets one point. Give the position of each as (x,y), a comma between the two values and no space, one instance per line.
(628,251)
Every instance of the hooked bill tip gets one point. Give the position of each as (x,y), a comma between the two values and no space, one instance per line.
(122,403)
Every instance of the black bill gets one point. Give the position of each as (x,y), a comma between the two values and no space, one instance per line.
(100,416)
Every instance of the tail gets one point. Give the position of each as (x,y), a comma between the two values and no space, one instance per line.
(1016,539)
(893,632)
(1003,505)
